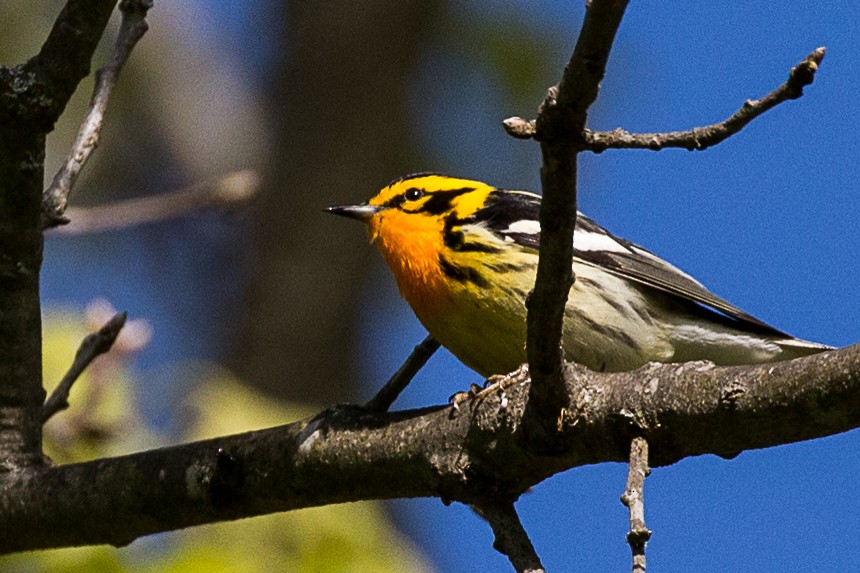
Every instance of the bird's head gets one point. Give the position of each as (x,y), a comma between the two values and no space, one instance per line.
(417,205)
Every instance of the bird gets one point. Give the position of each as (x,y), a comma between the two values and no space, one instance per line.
(464,256)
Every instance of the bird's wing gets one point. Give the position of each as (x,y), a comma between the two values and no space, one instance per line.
(515,217)
(596,245)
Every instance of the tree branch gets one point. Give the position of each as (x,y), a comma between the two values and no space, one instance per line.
(43,85)
(511,537)
(223,193)
(404,375)
(91,347)
(699,138)
(346,454)
(634,498)
(132,28)
(32,96)
(560,124)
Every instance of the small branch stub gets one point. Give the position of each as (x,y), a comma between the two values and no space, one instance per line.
(519,127)
(91,347)
(511,538)
(634,498)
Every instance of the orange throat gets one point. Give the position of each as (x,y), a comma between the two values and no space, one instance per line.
(411,250)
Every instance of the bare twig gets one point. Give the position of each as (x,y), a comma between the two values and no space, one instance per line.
(222,193)
(560,125)
(699,138)
(404,375)
(634,498)
(511,538)
(56,197)
(92,346)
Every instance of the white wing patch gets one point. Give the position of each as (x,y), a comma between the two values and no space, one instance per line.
(524,226)
(589,241)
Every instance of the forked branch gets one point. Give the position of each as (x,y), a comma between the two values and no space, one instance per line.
(56,197)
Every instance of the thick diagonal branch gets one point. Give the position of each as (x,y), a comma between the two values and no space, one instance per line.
(349,455)
(41,88)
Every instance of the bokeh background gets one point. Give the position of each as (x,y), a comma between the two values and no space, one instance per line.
(266,313)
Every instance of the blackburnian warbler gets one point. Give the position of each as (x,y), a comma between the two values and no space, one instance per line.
(464,255)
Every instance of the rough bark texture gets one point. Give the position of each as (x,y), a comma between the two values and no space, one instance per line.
(477,454)
(21,393)
(346,454)
(32,96)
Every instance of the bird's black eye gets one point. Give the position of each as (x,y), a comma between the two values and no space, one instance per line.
(413,194)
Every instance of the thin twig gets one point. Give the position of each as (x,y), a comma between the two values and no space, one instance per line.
(698,138)
(634,498)
(222,193)
(56,197)
(92,346)
(511,538)
(404,375)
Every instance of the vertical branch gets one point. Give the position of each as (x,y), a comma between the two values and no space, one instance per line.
(21,393)
(634,498)
(32,96)
(560,127)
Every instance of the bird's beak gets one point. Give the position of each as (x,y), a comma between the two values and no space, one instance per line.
(360,212)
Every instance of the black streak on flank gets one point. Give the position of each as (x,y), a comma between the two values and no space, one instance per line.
(462,274)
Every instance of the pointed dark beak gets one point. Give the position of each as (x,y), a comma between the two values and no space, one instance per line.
(360,212)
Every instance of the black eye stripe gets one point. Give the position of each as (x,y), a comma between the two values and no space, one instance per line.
(440,202)
(436,203)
